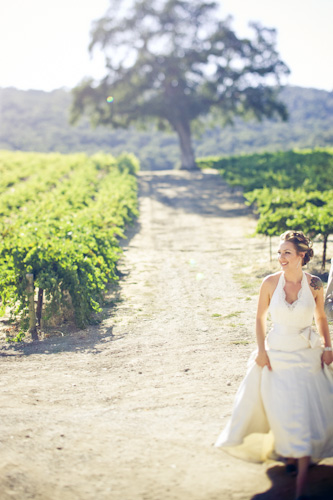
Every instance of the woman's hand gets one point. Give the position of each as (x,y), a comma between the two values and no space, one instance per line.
(327,358)
(262,360)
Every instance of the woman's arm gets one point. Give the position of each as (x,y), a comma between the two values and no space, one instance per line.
(322,325)
(262,358)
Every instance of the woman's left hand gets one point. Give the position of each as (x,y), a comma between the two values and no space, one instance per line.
(327,358)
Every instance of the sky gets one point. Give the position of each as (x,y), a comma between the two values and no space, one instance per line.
(44,43)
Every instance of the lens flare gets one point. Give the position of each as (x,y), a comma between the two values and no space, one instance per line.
(110,99)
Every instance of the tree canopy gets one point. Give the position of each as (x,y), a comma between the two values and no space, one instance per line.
(175,61)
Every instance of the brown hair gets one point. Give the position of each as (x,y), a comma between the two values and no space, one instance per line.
(301,242)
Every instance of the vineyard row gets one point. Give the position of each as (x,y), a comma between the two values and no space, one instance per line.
(61,223)
(288,190)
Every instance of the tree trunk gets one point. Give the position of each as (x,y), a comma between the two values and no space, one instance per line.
(183,130)
(323,264)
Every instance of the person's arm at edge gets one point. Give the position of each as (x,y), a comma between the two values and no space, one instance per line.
(322,324)
(262,358)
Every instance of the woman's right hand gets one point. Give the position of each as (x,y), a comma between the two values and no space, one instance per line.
(262,360)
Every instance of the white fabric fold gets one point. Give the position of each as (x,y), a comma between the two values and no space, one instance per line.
(311,336)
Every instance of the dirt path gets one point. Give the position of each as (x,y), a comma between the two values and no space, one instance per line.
(130,409)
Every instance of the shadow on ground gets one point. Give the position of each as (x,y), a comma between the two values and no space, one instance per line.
(204,193)
(320,484)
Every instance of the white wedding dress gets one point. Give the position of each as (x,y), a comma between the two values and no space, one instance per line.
(286,412)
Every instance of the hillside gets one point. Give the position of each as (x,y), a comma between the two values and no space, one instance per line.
(38,121)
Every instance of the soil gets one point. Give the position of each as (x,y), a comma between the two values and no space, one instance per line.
(129,408)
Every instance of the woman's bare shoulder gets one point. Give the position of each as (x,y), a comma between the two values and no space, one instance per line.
(271,281)
(314,281)
(272,278)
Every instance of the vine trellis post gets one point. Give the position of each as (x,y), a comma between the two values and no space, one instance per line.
(39,306)
(270,248)
(31,301)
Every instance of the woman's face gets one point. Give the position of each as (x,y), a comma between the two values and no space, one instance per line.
(288,256)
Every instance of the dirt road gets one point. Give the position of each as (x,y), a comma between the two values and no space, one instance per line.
(129,409)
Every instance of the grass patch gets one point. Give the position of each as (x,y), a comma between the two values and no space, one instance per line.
(234,314)
(247,286)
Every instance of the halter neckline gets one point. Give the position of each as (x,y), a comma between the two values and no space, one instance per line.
(291,305)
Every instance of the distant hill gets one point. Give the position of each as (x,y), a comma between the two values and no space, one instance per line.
(38,121)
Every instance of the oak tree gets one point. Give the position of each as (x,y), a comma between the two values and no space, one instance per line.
(175,62)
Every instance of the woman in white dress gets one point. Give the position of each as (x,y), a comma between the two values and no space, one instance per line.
(285,402)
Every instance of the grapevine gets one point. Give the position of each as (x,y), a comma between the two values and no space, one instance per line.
(61,220)
(292,189)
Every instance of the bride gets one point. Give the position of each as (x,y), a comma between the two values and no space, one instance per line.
(285,402)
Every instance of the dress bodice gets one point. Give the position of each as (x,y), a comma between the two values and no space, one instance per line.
(300,312)
(292,322)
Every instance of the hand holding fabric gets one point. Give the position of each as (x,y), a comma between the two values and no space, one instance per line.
(262,359)
(327,358)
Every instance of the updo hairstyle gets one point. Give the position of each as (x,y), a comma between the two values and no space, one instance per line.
(301,242)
